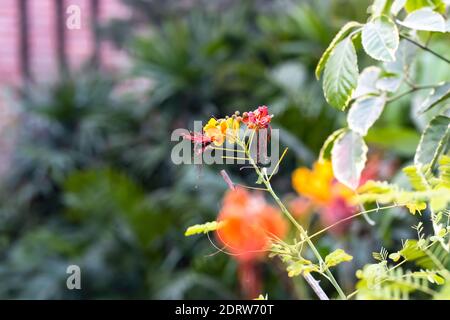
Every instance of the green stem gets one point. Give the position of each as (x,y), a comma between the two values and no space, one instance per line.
(295,223)
(305,236)
(413,89)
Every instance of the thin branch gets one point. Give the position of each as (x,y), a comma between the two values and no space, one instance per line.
(413,89)
(235,158)
(426,49)
(349,218)
(252,188)
(227,179)
(278,163)
(226,149)
(314,284)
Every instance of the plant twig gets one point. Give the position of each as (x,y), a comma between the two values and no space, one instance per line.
(413,89)
(314,284)
(227,179)
(426,48)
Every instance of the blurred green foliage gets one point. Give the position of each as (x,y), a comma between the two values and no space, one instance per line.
(92,182)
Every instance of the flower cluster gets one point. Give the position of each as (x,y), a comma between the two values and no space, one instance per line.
(258,119)
(217,131)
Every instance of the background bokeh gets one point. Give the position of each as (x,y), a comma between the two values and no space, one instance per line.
(87,177)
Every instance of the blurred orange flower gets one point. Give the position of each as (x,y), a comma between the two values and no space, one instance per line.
(250,224)
(322,190)
(318,184)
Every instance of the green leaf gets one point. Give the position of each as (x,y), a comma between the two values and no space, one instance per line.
(444,171)
(341,75)
(413,5)
(364,112)
(436,96)
(367,82)
(378,7)
(337,38)
(397,5)
(430,276)
(203,228)
(336,257)
(325,152)
(389,83)
(405,55)
(380,39)
(302,266)
(418,178)
(348,158)
(377,191)
(425,19)
(412,252)
(433,140)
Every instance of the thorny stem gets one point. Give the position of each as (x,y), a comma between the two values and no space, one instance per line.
(302,231)
(315,286)
(426,48)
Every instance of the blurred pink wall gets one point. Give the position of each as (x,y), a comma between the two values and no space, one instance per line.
(42,38)
(42,46)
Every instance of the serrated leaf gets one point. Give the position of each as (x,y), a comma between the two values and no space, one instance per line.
(436,96)
(389,84)
(325,151)
(380,39)
(433,140)
(348,157)
(404,57)
(425,19)
(367,81)
(341,75)
(364,112)
(336,257)
(338,37)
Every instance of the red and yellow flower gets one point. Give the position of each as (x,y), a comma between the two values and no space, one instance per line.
(217,131)
(258,119)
